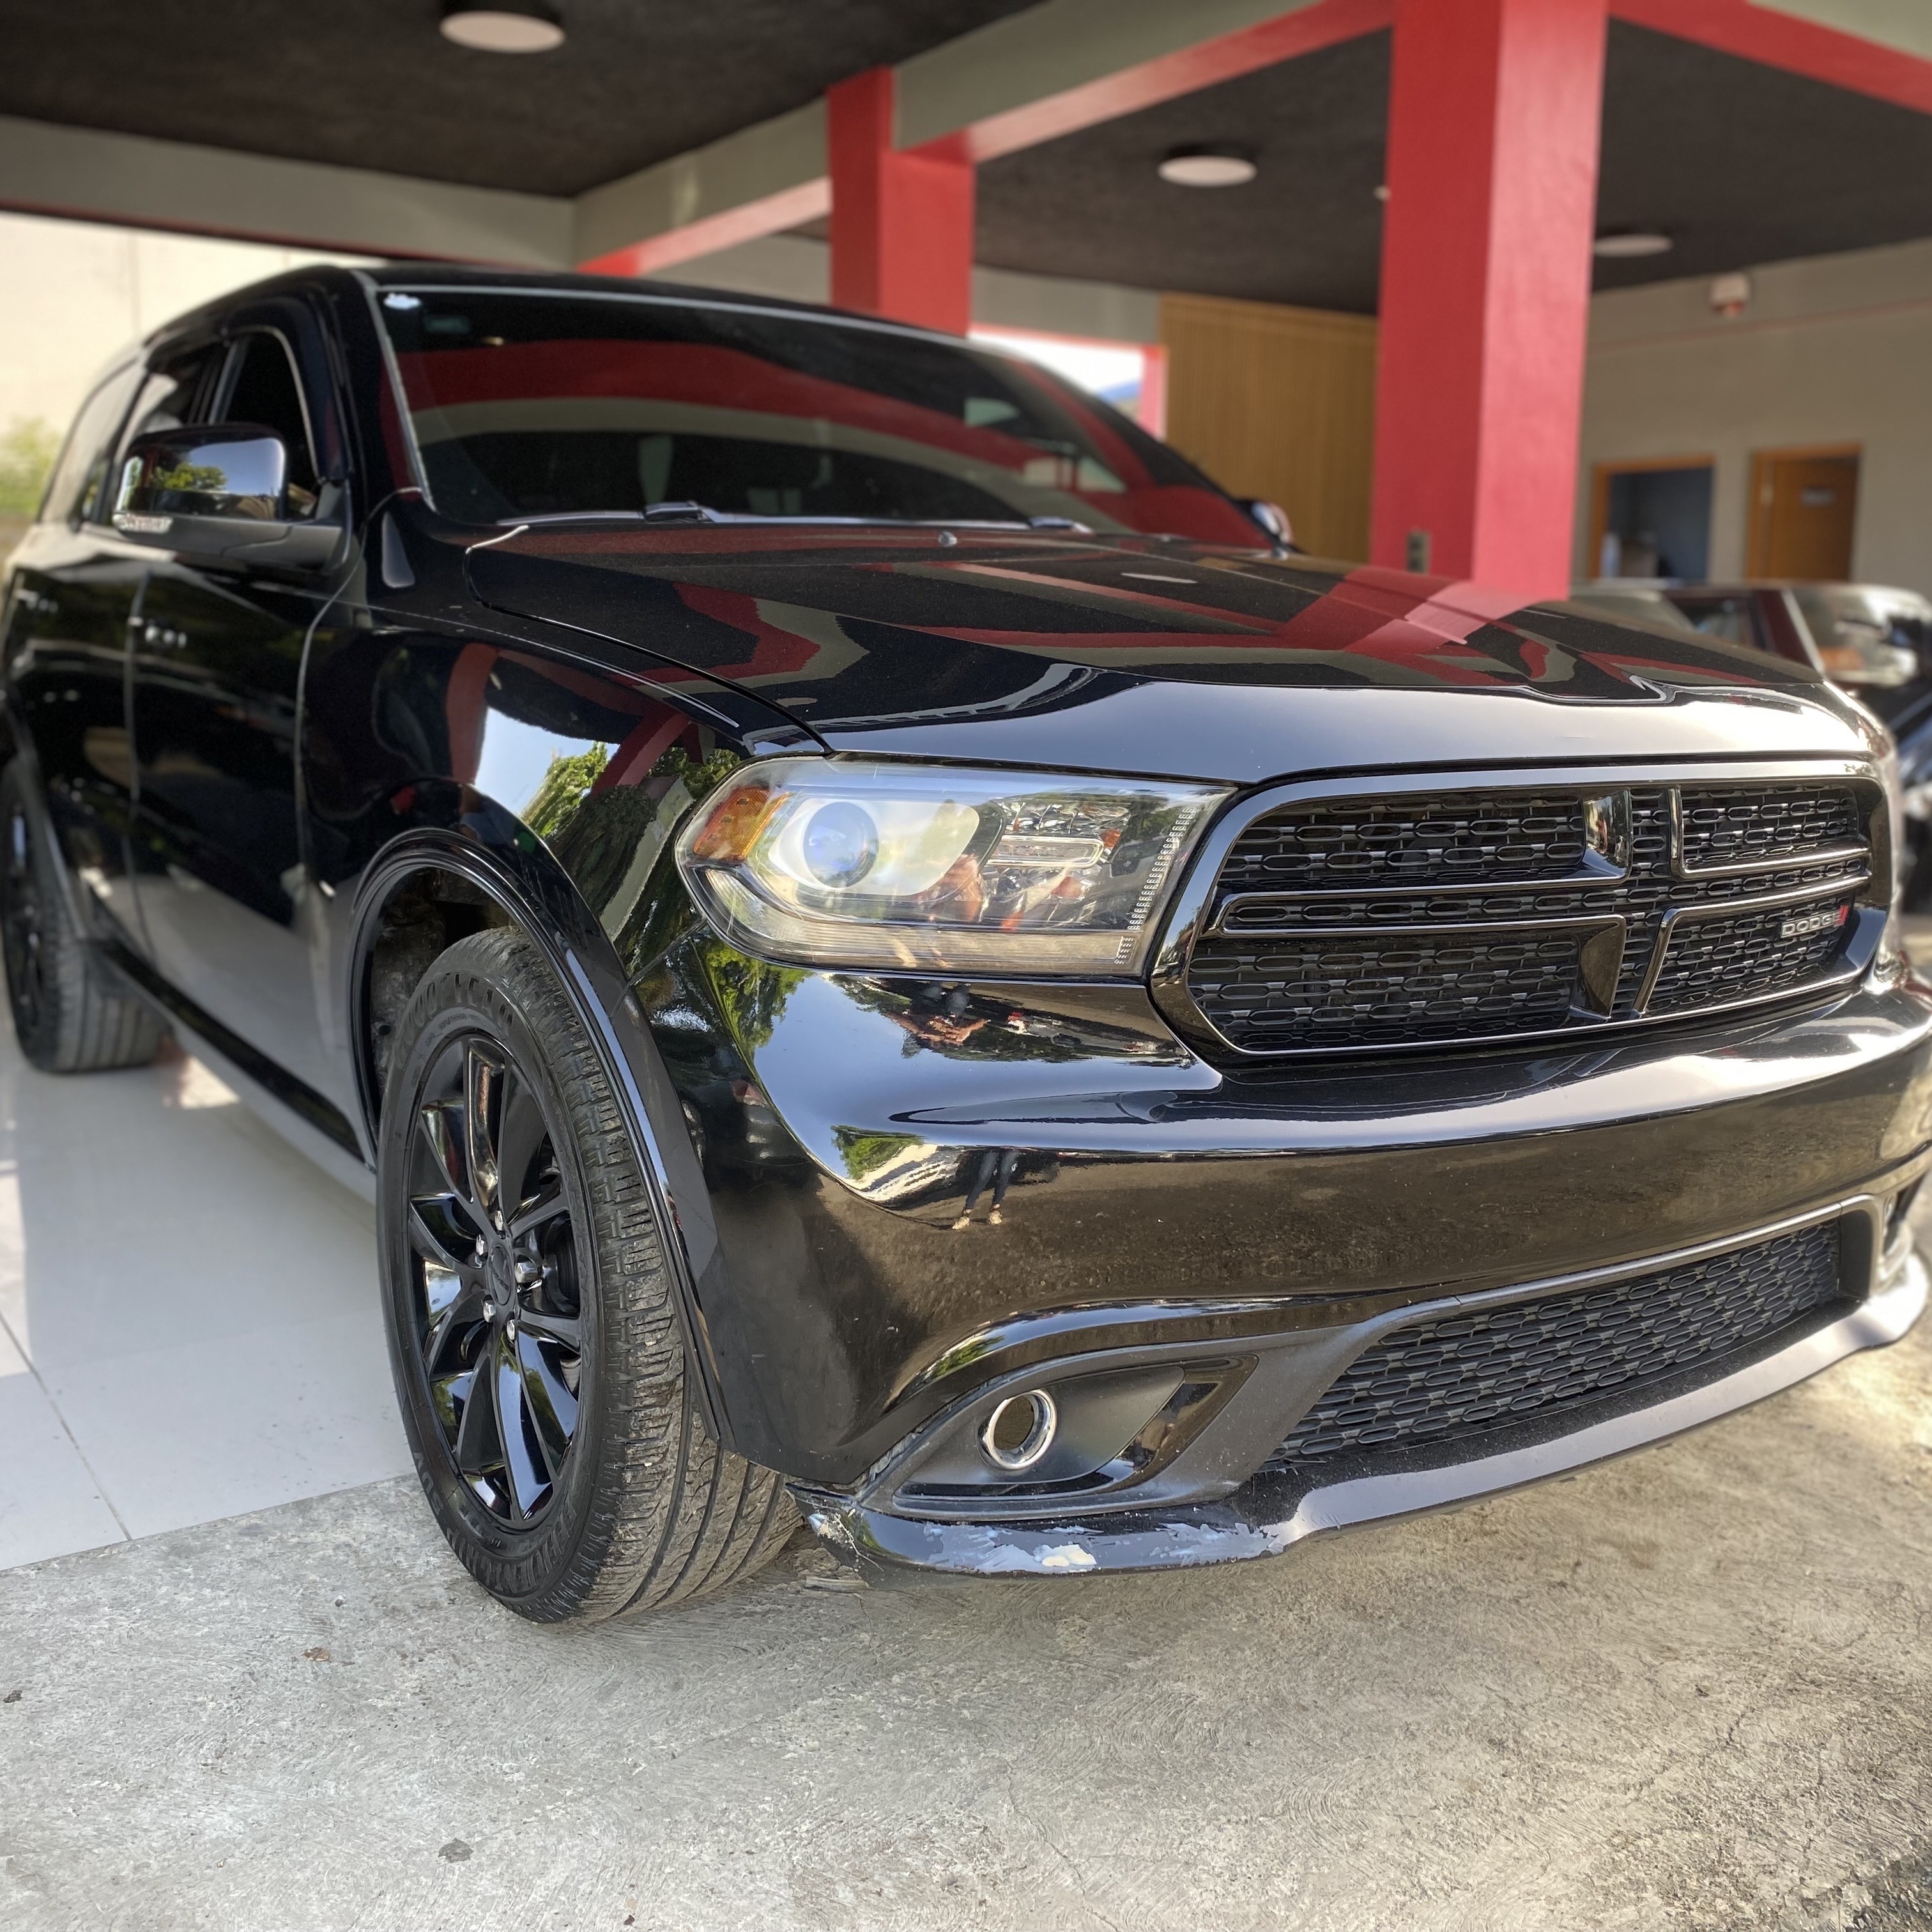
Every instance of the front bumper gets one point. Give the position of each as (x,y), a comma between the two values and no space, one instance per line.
(1152,1201)
(1220,1245)
(1271,1512)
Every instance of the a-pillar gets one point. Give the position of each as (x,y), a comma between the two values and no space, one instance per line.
(1494,107)
(901,222)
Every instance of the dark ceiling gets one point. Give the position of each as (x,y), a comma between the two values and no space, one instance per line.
(1738,163)
(371,84)
(1306,229)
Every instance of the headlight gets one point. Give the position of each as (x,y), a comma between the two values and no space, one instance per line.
(931,868)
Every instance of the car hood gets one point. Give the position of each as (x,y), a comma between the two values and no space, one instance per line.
(1140,655)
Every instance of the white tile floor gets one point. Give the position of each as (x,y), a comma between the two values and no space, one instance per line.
(188,1319)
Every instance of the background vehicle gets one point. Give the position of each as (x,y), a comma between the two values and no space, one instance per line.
(1865,637)
(1634,603)
(885,953)
(1869,639)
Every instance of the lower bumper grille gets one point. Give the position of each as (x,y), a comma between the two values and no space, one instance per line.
(1461,1374)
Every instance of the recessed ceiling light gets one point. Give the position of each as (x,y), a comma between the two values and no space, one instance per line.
(1629,246)
(1207,167)
(506,27)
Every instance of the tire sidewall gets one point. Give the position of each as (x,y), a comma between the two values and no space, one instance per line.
(521,1567)
(39,1039)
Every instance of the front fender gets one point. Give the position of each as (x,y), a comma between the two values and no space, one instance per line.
(500,856)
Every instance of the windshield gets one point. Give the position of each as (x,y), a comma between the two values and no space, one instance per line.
(528,404)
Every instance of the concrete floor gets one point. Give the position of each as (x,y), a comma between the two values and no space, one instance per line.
(1690,1689)
(1693,1688)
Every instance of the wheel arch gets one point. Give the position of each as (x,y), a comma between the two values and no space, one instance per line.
(432,885)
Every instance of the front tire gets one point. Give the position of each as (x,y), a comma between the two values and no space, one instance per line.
(534,1332)
(67,1016)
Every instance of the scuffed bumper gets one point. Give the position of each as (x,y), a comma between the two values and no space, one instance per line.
(1270,1514)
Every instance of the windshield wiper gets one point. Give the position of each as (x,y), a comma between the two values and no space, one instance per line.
(703,513)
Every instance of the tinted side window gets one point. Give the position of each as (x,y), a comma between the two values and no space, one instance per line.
(177,391)
(89,450)
(262,388)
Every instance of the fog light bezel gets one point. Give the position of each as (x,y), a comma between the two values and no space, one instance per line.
(1037,1441)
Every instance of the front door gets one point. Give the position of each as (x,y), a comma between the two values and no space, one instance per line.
(1803,513)
(66,648)
(216,683)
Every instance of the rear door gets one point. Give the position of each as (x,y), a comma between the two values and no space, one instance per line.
(216,684)
(73,596)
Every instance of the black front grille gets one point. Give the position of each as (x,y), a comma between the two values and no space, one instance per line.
(1358,990)
(1746,824)
(1310,942)
(1709,961)
(1462,1375)
(1452,839)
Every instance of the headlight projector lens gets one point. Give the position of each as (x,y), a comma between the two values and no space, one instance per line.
(840,843)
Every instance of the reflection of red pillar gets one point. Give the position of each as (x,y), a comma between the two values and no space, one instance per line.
(901,223)
(1494,110)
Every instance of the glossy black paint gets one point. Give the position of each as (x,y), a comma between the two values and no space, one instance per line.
(313,778)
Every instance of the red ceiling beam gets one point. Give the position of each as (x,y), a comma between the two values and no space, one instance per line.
(1738,27)
(1168,77)
(1186,70)
(1756,33)
(769,214)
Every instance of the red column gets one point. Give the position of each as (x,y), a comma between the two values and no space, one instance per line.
(1494,111)
(902,222)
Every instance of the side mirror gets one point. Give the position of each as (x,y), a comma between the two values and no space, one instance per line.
(1272,518)
(220,492)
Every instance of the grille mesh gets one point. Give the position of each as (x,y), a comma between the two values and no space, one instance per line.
(1713,960)
(1373,987)
(1460,1375)
(1303,967)
(1446,840)
(1730,827)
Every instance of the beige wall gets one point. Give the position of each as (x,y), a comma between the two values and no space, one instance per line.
(1834,350)
(74,292)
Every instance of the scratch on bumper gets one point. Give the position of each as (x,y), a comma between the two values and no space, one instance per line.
(1236,1529)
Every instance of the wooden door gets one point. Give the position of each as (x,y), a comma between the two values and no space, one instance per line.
(1278,403)
(1804,511)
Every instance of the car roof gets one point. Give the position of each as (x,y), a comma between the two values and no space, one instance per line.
(453,275)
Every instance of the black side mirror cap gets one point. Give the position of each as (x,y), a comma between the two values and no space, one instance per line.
(1272,520)
(220,492)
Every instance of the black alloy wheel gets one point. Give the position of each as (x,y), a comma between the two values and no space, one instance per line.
(499,1331)
(21,922)
(534,1329)
(69,1016)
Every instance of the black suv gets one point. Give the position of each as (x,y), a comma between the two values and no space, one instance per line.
(886,952)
